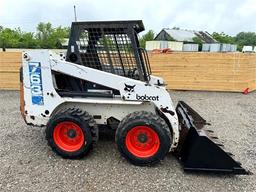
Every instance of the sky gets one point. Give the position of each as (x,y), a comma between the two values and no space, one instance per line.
(229,16)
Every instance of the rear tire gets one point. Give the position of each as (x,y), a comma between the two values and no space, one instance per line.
(143,138)
(71,133)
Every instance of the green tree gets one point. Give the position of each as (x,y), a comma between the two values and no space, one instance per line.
(44,31)
(223,38)
(10,38)
(45,37)
(28,40)
(149,36)
(49,37)
(198,41)
(17,39)
(245,38)
(58,36)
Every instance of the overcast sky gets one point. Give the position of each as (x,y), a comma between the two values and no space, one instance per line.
(229,16)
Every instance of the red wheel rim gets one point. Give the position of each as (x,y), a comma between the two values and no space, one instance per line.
(68,136)
(142,141)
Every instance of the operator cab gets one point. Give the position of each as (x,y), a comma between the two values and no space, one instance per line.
(110,46)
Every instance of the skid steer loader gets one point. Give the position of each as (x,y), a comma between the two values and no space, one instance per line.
(105,80)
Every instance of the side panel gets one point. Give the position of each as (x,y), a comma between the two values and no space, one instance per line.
(104,111)
(39,94)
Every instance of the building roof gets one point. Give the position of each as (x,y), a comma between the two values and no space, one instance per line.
(181,35)
(184,35)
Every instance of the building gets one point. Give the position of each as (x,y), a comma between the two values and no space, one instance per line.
(187,36)
(64,43)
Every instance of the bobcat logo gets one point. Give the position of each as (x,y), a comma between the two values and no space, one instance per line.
(129,88)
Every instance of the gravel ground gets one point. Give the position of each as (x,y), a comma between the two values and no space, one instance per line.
(28,164)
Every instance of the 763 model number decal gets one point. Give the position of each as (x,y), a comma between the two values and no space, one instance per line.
(36,83)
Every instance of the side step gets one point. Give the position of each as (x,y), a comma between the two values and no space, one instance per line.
(198,149)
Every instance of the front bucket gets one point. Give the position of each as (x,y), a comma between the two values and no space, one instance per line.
(198,150)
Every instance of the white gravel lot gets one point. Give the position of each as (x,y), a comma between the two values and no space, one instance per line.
(28,164)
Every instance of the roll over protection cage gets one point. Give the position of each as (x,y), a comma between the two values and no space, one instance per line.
(110,46)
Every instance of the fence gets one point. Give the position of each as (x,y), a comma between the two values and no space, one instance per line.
(9,70)
(206,71)
(182,71)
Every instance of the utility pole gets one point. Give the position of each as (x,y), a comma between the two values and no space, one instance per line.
(75,13)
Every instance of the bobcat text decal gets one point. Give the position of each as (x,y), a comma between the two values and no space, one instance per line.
(147,98)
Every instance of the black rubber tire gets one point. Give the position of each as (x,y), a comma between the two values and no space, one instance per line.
(84,121)
(151,120)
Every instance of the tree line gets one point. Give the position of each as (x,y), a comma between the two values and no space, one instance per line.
(49,37)
(241,39)
(45,37)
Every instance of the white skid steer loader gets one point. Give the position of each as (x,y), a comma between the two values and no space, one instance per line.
(105,81)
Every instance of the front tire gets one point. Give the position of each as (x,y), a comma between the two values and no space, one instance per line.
(143,138)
